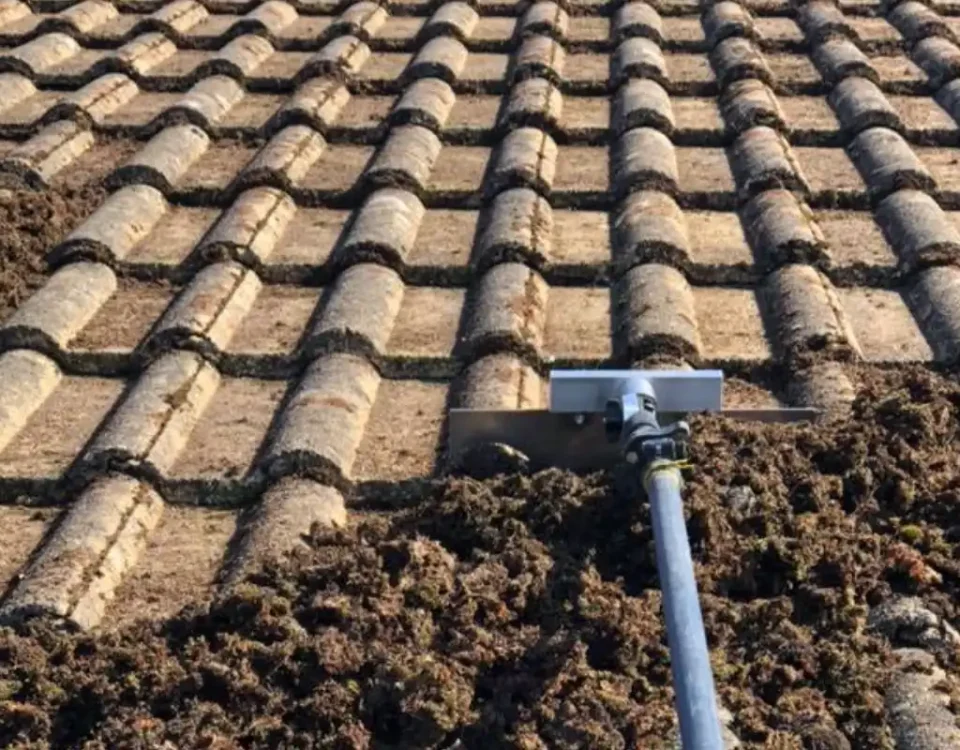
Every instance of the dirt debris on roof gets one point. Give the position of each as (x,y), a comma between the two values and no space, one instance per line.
(524,611)
(251,253)
(31,223)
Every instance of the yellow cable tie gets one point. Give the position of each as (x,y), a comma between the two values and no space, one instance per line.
(658,466)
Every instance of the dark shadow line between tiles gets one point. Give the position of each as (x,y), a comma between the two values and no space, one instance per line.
(389,367)
(395,86)
(411,45)
(578,275)
(441,457)
(486,137)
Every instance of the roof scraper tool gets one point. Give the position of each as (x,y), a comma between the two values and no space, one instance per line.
(597,418)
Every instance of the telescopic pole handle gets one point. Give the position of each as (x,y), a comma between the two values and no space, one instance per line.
(689,658)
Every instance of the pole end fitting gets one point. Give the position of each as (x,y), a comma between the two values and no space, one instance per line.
(666,443)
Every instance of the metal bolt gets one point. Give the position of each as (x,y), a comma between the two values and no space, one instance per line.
(632,457)
(579,419)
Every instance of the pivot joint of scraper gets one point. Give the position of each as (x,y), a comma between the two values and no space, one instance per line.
(631,419)
(666,443)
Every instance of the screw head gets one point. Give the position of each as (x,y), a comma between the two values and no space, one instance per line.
(632,457)
(579,419)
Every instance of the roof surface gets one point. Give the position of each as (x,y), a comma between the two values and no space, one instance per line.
(327,223)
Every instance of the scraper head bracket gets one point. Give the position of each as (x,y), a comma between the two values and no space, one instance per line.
(585,426)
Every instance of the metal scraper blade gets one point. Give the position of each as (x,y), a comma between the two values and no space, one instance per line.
(575,441)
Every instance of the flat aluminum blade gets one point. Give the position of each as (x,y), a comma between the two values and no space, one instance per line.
(547,439)
(568,441)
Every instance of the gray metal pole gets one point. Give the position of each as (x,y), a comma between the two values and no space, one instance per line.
(689,659)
